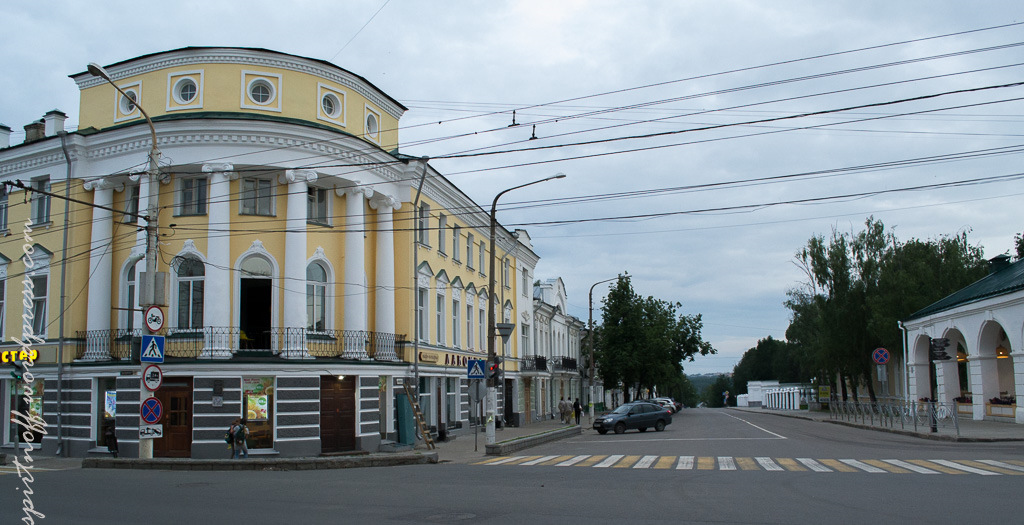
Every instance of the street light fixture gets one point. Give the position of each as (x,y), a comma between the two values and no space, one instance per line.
(492,395)
(147,297)
(590,343)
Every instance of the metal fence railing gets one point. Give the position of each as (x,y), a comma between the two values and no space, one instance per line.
(919,416)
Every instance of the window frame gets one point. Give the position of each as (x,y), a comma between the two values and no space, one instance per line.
(253,201)
(442,225)
(193,282)
(313,202)
(313,287)
(197,205)
(39,213)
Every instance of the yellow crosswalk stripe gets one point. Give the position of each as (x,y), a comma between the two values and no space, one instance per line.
(886,466)
(983,466)
(665,462)
(705,463)
(835,464)
(790,465)
(591,461)
(559,459)
(747,464)
(935,466)
(627,462)
(1016,462)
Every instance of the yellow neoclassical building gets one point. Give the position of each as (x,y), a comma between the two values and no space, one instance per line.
(301,286)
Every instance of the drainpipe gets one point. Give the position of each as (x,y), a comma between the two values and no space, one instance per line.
(63,284)
(906,365)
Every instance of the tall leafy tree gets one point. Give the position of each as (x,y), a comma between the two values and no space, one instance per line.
(645,340)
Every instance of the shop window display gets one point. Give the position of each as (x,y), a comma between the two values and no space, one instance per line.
(258,410)
(34,409)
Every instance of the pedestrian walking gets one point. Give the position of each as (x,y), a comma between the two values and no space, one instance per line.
(111,438)
(241,435)
(229,436)
(578,409)
(562,410)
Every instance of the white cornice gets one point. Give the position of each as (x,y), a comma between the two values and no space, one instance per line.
(248,58)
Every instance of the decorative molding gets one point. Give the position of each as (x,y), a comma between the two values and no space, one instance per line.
(224,168)
(381,200)
(300,175)
(251,58)
(106,183)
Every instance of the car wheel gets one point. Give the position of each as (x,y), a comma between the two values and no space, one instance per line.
(659,426)
(620,428)
(642,429)
(602,431)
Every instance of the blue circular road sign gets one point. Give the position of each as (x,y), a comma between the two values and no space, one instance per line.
(151,410)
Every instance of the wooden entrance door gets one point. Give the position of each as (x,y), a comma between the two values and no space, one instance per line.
(337,414)
(176,396)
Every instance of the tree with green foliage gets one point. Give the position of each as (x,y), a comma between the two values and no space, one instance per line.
(712,394)
(1018,241)
(770,359)
(645,340)
(859,285)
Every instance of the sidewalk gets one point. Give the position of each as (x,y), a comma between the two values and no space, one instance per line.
(970,430)
(461,449)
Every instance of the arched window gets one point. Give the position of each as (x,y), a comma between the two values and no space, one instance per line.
(191,275)
(316,297)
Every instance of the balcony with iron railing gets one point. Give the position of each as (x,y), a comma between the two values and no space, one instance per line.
(228,342)
(564,364)
(537,363)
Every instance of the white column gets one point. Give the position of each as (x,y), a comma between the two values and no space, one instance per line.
(354,288)
(220,340)
(984,382)
(384,313)
(1018,384)
(100,270)
(294,283)
(947,381)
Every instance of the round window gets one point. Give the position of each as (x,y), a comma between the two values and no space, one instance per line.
(261,91)
(371,125)
(331,105)
(128,100)
(185,90)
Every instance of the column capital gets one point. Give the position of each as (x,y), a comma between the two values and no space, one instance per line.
(358,189)
(381,201)
(300,175)
(107,183)
(220,167)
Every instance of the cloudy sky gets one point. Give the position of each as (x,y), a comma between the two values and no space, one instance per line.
(704,142)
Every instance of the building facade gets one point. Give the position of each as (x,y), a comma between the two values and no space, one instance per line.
(551,365)
(303,285)
(984,325)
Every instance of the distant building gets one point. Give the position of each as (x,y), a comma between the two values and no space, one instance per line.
(552,364)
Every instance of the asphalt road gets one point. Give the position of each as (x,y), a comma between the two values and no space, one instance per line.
(640,487)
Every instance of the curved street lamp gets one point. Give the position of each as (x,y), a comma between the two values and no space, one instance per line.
(590,342)
(145,445)
(492,395)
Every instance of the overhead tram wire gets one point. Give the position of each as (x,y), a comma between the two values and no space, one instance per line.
(745,69)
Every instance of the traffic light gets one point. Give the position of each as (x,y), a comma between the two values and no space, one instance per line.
(494,369)
(19,370)
(937,349)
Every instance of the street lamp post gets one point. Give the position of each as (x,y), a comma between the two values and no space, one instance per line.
(492,392)
(590,344)
(149,298)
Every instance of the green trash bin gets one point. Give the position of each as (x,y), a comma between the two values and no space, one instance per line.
(406,424)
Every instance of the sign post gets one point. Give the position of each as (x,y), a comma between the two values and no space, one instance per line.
(151,352)
(881,357)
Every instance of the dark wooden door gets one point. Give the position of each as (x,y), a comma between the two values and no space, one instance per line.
(337,413)
(176,396)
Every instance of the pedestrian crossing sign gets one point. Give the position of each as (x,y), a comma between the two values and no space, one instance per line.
(475,369)
(152,349)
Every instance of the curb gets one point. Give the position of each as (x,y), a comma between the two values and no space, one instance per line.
(512,445)
(317,463)
(909,433)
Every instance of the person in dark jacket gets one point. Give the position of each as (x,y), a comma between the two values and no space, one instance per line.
(578,409)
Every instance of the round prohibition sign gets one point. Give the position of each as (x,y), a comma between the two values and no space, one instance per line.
(151,410)
(880,356)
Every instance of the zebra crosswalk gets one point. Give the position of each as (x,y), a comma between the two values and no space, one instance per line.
(981,467)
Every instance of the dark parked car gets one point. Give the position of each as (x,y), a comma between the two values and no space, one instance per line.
(640,415)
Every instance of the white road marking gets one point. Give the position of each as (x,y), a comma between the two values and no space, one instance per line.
(910,466)
(609,461)
(964,468)
(755,426)
(863,466)
(726,463)
(768,464)
(503,461)
(572,461)
(646,462)
(685,463)
(1001,464)
(539,460)
(813,465)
